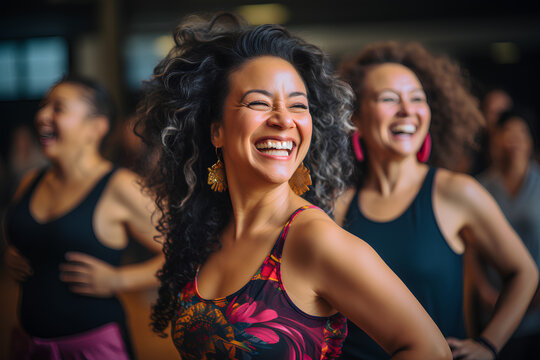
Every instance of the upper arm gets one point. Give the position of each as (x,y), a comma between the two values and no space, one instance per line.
(353,279)
(486,228)
(26,181)
(138,208)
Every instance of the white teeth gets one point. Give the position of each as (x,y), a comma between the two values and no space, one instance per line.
(45,133)
(277,152)
(273,144)
(404,129)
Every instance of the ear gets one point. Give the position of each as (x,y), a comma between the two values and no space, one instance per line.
(216,134)
(101,126)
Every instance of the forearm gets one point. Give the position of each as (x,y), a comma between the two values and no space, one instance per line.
(433,353)
(139,276)
(513,301)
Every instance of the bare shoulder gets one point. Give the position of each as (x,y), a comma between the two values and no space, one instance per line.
(125,184)
(320,237)
(459,186)
(125,189)
(461,189)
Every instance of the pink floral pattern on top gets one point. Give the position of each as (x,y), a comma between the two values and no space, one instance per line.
(257,322)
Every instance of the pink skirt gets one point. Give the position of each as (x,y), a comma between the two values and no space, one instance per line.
(102,343)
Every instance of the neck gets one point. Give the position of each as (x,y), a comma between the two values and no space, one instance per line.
(256,209)
(513,171)
(81,166)
(390,176)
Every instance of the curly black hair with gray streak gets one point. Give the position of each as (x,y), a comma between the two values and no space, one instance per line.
(185,96)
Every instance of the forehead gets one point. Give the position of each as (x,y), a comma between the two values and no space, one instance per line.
(66,91)
(267,73)
(391,76)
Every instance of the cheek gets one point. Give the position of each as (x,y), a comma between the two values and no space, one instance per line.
(425,113)
(379,115)
(305,125)
(241,125)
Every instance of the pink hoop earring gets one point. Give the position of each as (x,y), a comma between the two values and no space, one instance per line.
(425,150)
(356,146)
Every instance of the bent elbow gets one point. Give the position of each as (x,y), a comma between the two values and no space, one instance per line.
(442,352)
(531,274)
(535,275)
(439,350)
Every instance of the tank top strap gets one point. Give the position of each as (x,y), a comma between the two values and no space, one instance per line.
(278,247)
(425,195)
(25,197)
(36,181)
(94,195)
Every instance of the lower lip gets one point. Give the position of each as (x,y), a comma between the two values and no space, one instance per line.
(46,141)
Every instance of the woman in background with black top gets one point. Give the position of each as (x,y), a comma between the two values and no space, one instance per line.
(422,219)
(67,227)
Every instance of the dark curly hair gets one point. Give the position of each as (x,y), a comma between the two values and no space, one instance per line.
(185,96)
(455,115)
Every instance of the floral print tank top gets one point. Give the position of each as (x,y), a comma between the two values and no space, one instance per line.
(259,321)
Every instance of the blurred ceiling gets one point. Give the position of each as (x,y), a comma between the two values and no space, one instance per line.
(456,26)
(165,13)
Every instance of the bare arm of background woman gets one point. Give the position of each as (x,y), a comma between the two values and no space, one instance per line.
(93,277)
(489,233)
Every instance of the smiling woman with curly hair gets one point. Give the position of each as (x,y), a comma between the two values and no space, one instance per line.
(411,108)
(246,120)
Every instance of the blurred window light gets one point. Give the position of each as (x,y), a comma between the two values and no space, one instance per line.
(8,70)
(142,52)
(29,67)
(47,62)
(505,53)
(264,13)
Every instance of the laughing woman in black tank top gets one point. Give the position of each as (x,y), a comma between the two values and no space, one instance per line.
(421,220)
(66,229)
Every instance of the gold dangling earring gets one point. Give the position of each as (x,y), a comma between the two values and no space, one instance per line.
(216,175)
(301,180)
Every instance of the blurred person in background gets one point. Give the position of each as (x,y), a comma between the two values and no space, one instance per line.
(66,229)
(493,103)
(513,179)
(414,116)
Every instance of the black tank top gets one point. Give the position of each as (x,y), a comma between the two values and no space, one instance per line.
(413,246)
(48,308)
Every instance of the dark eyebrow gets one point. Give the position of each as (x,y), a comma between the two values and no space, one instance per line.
(297,93)
(395,91)
(266,93)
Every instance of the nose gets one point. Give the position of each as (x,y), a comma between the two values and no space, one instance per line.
(281,117)
(405,108)
(43,114)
